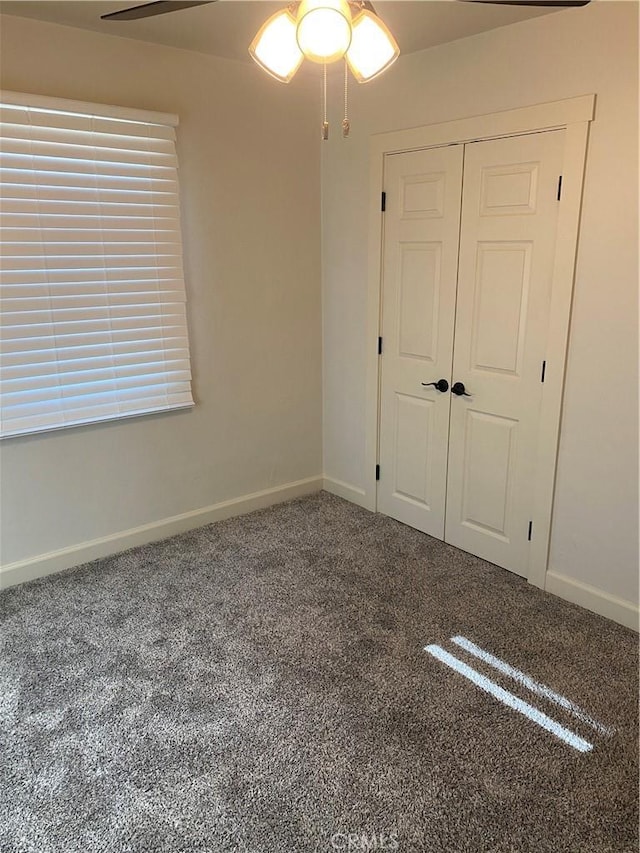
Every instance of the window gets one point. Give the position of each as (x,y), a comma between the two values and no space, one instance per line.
(91,281)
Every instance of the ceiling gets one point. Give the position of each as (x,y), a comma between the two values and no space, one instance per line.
(226,28)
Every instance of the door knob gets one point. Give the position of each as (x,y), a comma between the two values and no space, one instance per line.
(442,385)
(459,390)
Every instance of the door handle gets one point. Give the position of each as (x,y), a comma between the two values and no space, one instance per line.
(442,385)
(459,390)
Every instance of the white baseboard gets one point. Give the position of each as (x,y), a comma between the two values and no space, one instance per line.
(65,558)
(618,609)
(346,491)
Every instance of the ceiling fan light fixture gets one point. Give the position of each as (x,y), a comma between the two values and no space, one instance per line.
(373,48)
(275,47)
(324,29)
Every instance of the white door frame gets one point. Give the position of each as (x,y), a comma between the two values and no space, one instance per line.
(573,115)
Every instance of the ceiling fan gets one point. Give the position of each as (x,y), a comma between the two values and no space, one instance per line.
(161,7)
(322,31)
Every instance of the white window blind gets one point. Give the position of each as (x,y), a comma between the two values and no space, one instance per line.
(91,283)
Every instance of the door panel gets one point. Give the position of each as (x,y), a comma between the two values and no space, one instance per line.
(414,430)
(486,492)
(508,190)
(421,195)
(500,306)
(507,247)
(419,283)
(420,253)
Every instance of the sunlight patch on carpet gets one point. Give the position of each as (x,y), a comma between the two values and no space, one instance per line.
(507,698)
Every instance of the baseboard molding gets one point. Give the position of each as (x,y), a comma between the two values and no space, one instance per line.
(591,597)
(618,609)
(76,555)
(346,491)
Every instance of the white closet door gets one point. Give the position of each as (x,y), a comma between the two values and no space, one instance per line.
(507,245)
(420,249)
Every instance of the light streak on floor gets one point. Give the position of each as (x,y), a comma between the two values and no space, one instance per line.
(509,699)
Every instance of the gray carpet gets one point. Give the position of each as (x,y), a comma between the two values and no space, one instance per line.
(261,685)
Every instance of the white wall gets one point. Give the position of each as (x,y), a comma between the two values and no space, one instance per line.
(561,55)
(250,180)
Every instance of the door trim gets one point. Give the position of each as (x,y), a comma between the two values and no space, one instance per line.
(572,115)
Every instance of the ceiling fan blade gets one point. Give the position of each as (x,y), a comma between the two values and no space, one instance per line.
(147,10)
(551,3)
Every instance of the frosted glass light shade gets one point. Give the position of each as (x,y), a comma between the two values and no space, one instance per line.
(373,49)
(324,29)
(275,47)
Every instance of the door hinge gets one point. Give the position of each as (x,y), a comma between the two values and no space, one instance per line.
(559,188)
(383,202)
(530,531)
(543,371)
(379,346)
(377,472)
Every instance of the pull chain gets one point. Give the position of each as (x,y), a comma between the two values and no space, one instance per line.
(325,123)
(346,124)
